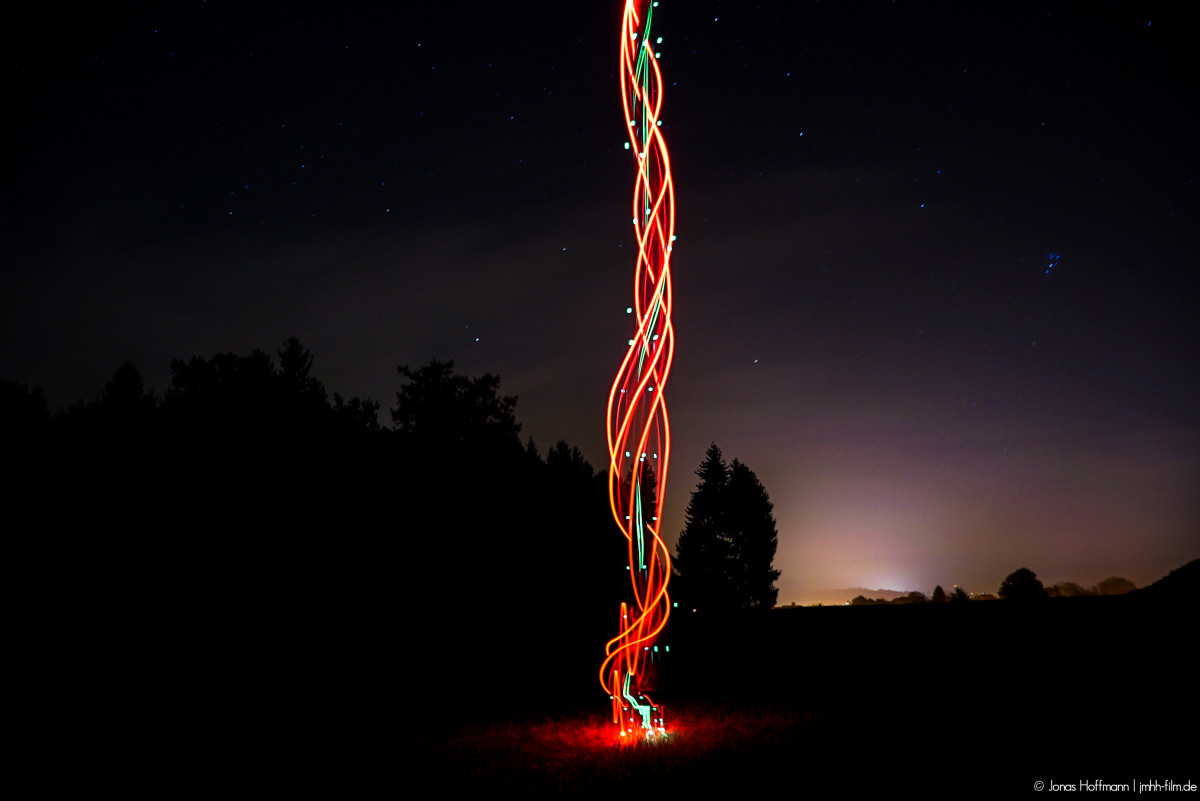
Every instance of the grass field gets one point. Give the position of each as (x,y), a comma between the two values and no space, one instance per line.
(977,699)
(984,699)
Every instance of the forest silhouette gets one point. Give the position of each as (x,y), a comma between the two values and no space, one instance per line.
(273,546)
(248,484)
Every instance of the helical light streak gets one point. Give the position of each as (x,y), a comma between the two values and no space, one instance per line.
(639,438)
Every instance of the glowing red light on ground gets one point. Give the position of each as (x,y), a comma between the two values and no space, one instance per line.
(639,438)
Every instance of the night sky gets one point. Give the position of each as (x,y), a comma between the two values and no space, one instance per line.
(935,279)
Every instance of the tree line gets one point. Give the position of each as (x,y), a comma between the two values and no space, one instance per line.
(249,494)
(1020,585)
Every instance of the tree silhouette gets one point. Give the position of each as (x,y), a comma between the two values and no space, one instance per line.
(752,535)
(125,393)
(122,421)
(1115,585)
(439,410)
(1022,585)
(306,395)
(725,551)
(1066,589)
(703,551)
(357,414)
(226,396)
(939,595)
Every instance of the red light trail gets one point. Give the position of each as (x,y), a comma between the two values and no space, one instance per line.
(639,437)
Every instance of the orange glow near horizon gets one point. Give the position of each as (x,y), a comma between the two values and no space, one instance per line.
(639,439)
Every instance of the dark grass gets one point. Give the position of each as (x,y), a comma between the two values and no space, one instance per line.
(707,745)
(984,698)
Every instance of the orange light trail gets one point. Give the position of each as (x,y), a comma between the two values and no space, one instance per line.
(639,437)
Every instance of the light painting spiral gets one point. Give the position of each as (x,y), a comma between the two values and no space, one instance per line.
(639,439)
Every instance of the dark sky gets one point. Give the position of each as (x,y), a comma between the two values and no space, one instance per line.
(935,279)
